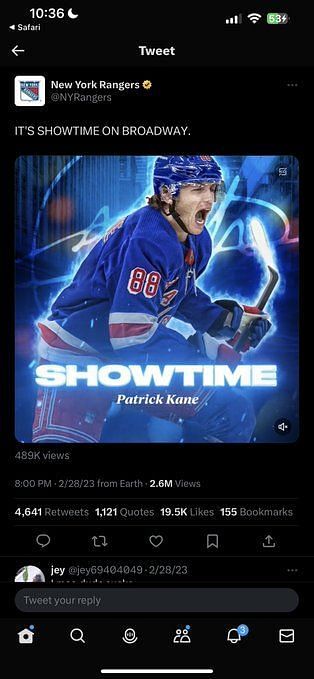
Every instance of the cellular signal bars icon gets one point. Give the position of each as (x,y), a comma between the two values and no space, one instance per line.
(237,19)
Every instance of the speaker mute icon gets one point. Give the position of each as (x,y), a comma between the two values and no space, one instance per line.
(282,426)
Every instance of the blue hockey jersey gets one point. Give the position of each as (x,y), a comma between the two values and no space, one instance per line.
(134,280)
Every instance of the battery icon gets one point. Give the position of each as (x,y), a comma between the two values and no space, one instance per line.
(277,18)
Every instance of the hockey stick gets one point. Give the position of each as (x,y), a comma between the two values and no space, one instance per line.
(262,244)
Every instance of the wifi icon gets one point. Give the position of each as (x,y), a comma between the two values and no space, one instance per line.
(254,17)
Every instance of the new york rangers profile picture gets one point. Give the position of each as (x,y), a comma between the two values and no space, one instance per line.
(29,90)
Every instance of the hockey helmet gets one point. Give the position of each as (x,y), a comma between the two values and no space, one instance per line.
(175,171)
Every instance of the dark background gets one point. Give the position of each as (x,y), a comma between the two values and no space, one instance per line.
(232,110)
(110,36)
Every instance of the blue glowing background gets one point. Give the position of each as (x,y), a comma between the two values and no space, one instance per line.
(64,204)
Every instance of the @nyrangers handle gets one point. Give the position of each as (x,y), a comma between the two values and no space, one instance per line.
(267,292)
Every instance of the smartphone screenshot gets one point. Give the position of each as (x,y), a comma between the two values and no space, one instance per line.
(156,494)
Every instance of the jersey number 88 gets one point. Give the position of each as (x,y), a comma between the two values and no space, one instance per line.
(141,281)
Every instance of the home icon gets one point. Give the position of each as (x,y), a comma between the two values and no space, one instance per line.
(25,636)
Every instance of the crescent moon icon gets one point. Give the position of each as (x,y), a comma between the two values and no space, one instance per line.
(71,15)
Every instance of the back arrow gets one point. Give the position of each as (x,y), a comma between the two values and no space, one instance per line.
(15,50)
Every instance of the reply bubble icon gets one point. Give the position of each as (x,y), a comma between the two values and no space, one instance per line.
(43,540)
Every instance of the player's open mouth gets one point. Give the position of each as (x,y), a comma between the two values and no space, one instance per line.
(200,217)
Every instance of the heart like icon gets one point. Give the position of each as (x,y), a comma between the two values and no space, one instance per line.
(156,540)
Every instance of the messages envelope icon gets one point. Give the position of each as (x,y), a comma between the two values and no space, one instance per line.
(286,636)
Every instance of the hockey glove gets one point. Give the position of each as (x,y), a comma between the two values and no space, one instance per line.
(228,322)
(259,325)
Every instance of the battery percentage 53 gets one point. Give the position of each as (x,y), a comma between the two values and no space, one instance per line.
(277,18)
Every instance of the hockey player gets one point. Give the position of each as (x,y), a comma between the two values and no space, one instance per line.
(141,274)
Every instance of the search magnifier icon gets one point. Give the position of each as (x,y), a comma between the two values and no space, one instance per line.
(76,634)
